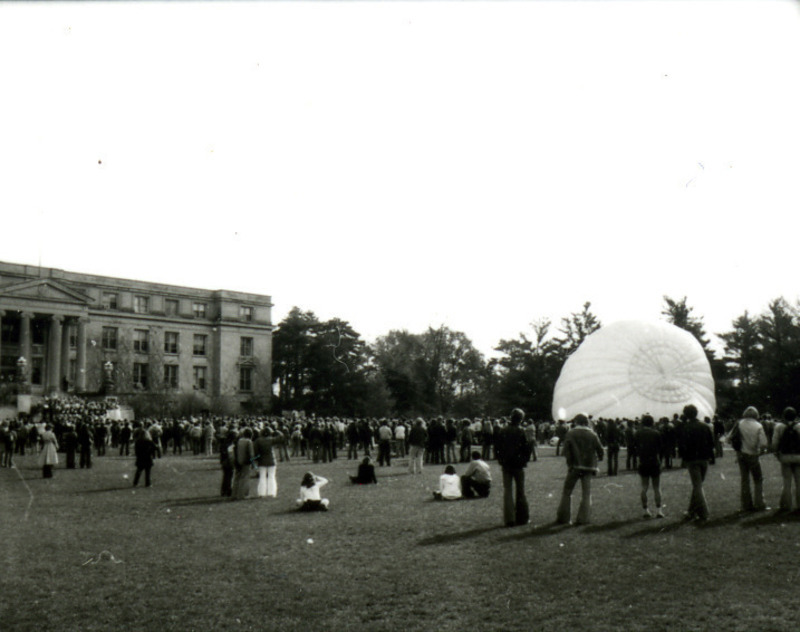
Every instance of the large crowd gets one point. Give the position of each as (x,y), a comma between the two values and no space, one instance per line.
(81,429)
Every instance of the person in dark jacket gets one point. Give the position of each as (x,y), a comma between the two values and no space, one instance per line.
(85,440)
(366,473)
(227,460)
(145,451)
(265,462)
(512,452)
(613,436)
(649,448)
(696,449)
(70,443)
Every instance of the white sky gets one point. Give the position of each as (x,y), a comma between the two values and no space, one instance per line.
(401,165)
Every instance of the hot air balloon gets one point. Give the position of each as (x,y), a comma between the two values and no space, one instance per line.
(630,368)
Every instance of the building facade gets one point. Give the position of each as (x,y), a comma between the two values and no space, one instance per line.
(157,338)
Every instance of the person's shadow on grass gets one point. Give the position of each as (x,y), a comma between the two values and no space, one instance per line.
(448,538)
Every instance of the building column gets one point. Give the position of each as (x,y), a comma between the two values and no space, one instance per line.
(64,369)
(25,341)
(2,313)
(80,369)
(54,355)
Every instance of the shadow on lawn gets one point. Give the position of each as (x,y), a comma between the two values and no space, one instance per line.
(200,500)
(773,518)
(538,531)
(447,538)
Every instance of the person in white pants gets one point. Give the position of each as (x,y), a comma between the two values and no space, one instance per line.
(265,461)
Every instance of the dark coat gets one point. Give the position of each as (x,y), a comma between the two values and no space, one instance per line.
(145,451)
(512,448)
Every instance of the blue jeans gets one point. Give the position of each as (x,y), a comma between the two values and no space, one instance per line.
(564,514)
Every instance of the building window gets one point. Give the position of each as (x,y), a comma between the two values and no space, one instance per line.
(199,347)
(246,378)
(109,300)
(170,342)
(199,310)
(141,304)
(140,371)
(10,331)
(73,337)
(36,371)
(73,371)
(246,347)
(140,340)
(200,378)
(245,313)
(109,338)
(171,307)
(171,376)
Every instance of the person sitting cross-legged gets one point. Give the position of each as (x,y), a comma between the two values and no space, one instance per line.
(477,479)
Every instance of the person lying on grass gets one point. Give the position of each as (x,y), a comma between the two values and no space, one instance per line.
(366,473)
(477,479)
(310,499)
(449,485)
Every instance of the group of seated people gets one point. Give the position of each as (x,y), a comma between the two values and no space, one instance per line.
(475,482)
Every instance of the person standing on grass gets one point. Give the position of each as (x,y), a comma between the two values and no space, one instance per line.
(145,451)
(582,450)
(613,438)
(49,455)
(749,441)
(477,479)
(696,449)
(227,460)
(417,439)
(512,452)
(787,449)
(384,443)
(244,458)
(648,446)
(265,461)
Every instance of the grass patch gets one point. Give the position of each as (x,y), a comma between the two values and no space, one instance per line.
(92,553)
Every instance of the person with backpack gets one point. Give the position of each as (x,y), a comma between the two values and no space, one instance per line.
(749,441)
(786,445)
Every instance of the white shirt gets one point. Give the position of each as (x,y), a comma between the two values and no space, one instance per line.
(450,486)
(312,493)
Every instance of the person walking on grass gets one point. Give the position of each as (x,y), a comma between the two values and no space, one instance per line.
(696,449)
(648,446)
(786,445)
(582,450)
(749,441)
(512,452)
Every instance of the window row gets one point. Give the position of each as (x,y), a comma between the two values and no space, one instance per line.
(141,305)
(141,342)
(141,375)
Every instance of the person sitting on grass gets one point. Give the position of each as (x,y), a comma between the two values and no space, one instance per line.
(310,499)
(366,473)
(449,485)
(477,479)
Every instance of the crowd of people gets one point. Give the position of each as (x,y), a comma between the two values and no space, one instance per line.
(248,445)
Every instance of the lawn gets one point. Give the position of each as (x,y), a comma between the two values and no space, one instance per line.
(86,551)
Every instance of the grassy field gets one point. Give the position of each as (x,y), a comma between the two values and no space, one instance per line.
(85,551)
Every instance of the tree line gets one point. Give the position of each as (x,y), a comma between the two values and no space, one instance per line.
(326,368)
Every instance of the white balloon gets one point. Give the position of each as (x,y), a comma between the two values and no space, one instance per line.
(630,368)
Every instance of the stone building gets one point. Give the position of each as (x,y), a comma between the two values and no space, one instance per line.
(157,338)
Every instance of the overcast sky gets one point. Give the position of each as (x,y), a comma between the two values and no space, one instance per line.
(401,165)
